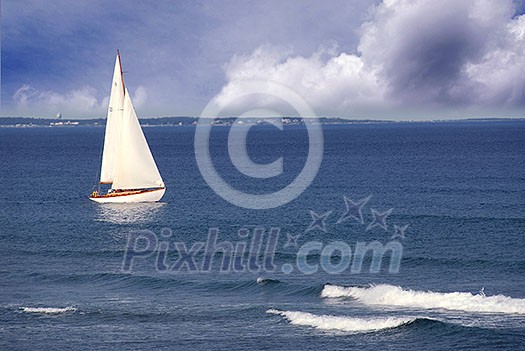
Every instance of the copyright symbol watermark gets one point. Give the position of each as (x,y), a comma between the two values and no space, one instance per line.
(237,147)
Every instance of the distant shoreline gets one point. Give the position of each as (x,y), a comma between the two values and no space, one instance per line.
(25,122)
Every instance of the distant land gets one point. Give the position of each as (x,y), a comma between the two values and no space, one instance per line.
(21,122)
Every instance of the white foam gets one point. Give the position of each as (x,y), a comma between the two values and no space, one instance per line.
(48,310)
(263,281)
(342,323)
(391,295)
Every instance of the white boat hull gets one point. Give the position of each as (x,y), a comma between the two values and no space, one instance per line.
(147,196)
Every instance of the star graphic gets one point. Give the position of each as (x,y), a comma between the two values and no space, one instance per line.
(318,221)
(354,209)
(399,231)
(379,219)
(291,240)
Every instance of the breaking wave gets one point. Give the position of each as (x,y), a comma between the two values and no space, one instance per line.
(48,310)
(390,295)
(341,323)
(264,281)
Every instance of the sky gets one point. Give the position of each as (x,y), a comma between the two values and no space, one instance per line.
(390,59)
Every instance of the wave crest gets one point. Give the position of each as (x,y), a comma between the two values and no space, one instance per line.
(48,310)
(391,295)
(342,323)
(264,281)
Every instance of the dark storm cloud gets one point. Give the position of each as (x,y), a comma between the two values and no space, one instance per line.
(430,57)
(442,52)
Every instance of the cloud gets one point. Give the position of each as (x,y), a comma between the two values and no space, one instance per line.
(338,83)
(438,52)
(498,78)
(48,103)
(78,103)
(412,56)
(140,97)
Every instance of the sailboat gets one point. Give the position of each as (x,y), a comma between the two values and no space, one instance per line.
(128,166)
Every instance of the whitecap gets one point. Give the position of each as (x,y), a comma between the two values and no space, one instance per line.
(341,323)
(263,281)
(390,295)
(48,310)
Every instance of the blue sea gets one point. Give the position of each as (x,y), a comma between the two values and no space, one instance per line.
(443,204)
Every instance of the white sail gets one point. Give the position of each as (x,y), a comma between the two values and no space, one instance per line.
(135,166)
(113,125)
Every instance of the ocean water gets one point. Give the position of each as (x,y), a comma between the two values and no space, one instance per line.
(460,282)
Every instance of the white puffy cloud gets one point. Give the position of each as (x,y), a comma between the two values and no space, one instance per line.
(78,103)
(140,97)
(47,103)
(413,57)
(499,77)
(335,82)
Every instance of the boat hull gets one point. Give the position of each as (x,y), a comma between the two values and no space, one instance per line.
(141,196)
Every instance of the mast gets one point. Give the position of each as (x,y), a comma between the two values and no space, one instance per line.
(121,72)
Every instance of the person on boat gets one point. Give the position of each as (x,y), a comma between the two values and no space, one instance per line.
(94,194)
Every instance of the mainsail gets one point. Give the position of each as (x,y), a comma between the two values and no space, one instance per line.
(113,125)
